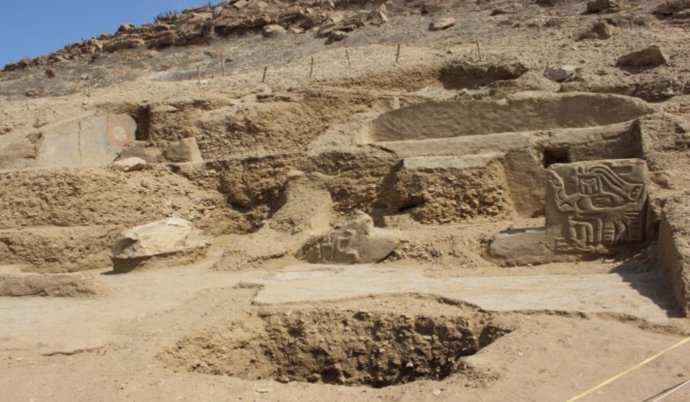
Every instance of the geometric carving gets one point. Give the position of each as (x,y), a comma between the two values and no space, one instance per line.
(338,246)
(354,241)
(595,205)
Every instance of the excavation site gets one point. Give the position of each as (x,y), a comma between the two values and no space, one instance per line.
(352,200)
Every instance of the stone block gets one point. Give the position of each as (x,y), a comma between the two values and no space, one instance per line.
(355,241)
(595,206)
(170,237)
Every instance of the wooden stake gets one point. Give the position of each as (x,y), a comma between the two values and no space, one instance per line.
(397,54)
(347,55)
(311,67)
(263,79)
(479,52)
(222,64)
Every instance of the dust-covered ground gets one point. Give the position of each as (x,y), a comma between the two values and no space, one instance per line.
(439,138)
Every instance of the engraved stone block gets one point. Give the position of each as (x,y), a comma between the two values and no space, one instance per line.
(355,241)
(594,206)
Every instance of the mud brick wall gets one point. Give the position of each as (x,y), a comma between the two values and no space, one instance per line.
(673,252)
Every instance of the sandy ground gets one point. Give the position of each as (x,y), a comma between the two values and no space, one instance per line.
(571,332)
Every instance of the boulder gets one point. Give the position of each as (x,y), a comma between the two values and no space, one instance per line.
(599,30)
(442,23)
(130,164)
(184,150)
(559,74)
(649,56)
(170,237)
(355,241)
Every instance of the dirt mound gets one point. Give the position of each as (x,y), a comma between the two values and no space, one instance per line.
(76,198)
(376,349)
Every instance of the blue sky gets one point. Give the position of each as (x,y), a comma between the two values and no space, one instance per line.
(31,28)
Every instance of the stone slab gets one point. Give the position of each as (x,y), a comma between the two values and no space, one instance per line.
(164,236)
(90,141)
(594,293)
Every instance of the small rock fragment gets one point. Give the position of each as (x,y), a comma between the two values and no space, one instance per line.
(498,11)
(559,74)
(336,36)
(599,30)
(130,164)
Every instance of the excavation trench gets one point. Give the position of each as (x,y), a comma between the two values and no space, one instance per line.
(352,348)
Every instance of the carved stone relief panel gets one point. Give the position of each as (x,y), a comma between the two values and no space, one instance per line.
(595,205)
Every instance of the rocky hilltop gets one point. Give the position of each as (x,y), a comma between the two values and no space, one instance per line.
(199,26)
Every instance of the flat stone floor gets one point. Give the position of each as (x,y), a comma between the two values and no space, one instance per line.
(62,325)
